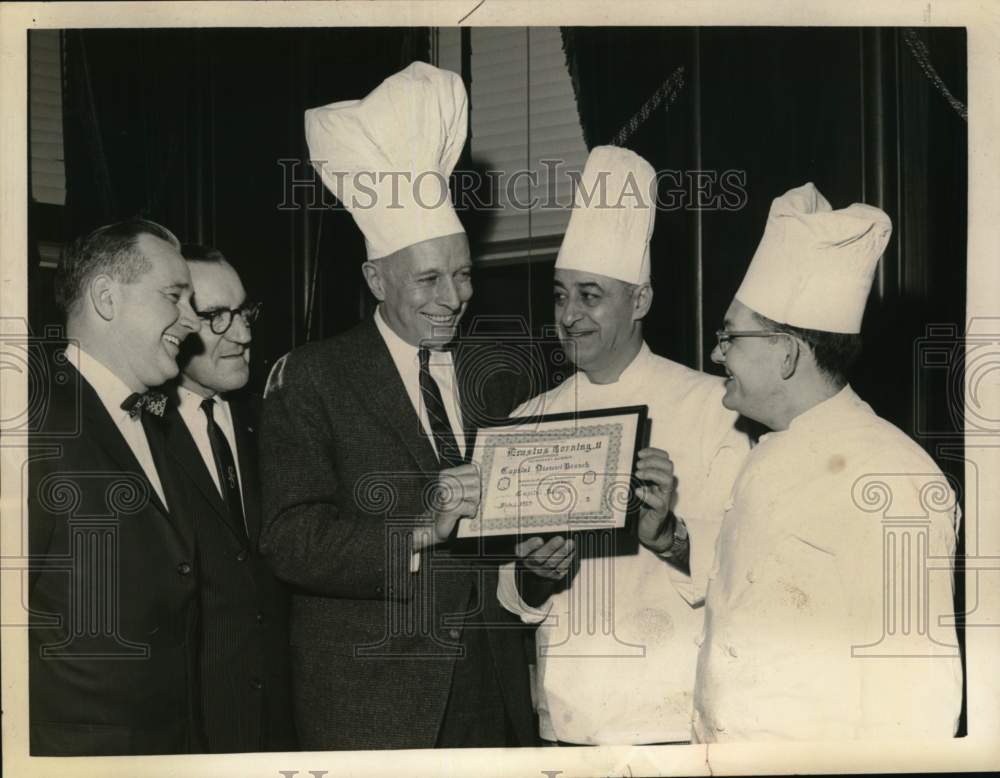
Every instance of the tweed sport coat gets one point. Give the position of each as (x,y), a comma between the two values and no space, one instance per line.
(345,469)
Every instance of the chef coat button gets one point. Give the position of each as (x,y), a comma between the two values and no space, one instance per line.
(378,590)
(750,577)
(454,634)
(260,618)
(732,651)
(184,568)
(256,683)
(728,506)
(242,556)
(699,639)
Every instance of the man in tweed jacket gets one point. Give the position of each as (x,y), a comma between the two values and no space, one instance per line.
(397,641)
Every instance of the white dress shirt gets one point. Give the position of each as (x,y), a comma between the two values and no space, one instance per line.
(406,358)
(112,392)
(442,370)
(617,648)
(197,423)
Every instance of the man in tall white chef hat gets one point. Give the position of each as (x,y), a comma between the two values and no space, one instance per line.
(819,624)
(395,643)
(629,681)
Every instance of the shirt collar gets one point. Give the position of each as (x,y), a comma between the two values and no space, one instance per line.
(405,355)
(188,400)
(827,414)
(633,370)
(111,390)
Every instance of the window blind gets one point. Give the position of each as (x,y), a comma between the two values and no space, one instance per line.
(48,173)
(524,126)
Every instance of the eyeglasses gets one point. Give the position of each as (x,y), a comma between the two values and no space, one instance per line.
(725,337)
(221,320)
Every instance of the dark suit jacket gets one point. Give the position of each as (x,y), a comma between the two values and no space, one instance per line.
(345,469)
(244,675)
(113,593)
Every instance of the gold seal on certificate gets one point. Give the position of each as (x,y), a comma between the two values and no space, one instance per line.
(557,473)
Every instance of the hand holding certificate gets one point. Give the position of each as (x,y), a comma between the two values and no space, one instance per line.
(455,497)
(557,473)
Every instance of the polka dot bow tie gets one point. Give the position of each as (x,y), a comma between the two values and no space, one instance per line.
(151,402)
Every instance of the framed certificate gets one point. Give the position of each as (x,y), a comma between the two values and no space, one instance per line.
(557,473)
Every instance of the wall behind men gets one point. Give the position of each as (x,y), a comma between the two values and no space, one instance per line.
(202,130)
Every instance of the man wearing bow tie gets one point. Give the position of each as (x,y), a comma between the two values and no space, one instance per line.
(210,439)
(113,589)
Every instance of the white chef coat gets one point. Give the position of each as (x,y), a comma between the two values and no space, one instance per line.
(617,648)
(798,581)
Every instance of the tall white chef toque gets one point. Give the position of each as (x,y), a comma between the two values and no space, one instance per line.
(387,157)
(612,219)
(814,266)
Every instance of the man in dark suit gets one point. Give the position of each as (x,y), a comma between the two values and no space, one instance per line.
(244,676)
(113,576)
(397,640)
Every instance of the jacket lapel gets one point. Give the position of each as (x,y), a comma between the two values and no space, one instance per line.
(464,392)
(102,428)
(382,389)
(185,455)
(244,421)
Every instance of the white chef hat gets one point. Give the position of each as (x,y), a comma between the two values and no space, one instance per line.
(814,266)
(387,157)
(609,234)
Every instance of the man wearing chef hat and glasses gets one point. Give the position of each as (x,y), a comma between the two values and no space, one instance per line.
(808,632)
(630,683)
(395,642)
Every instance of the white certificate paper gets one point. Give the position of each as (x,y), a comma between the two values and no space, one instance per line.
(556,473)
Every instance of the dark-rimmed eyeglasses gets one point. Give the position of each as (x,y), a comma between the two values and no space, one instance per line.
(725,337)
(221,319)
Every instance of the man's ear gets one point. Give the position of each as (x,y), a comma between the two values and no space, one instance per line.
(642,301)
(374,278)
(102,296)
(792,354)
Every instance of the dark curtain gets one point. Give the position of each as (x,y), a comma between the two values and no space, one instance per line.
(615,72)
(202,131)
(133,100)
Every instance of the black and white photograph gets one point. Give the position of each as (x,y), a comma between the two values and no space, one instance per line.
(476,387)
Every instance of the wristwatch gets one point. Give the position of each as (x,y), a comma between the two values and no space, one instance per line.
(678,540)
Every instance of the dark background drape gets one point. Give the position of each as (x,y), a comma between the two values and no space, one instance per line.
(847,109)
(202,130)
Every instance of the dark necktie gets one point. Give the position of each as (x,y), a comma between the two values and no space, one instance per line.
(150,402)
(444,439)
(225,466)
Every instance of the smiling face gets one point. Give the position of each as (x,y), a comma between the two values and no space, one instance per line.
(216,363)
(424,289)
(753,368)
(152,316)
(597,318)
